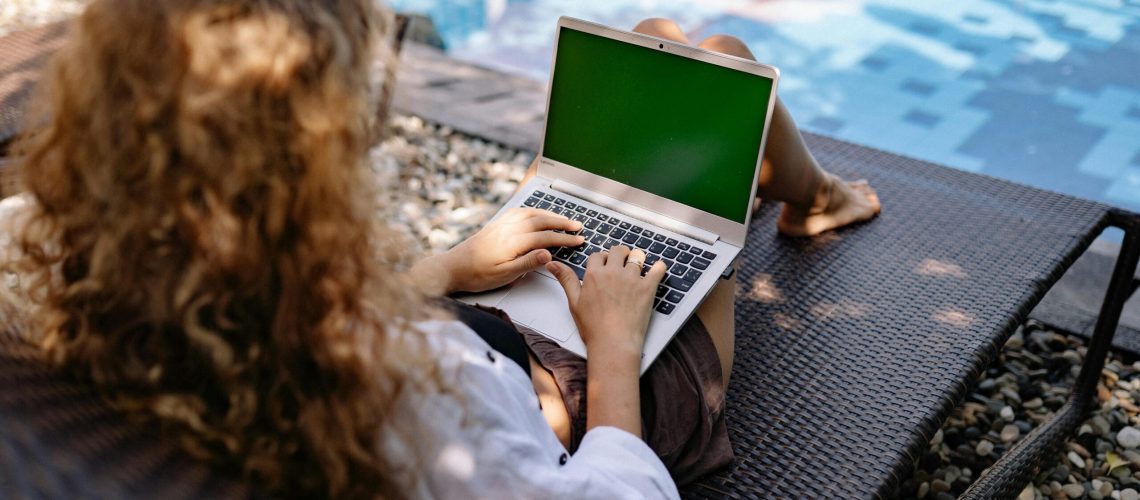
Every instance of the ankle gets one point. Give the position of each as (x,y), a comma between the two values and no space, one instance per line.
(822,198)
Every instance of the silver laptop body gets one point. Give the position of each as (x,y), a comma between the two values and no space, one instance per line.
(713,242)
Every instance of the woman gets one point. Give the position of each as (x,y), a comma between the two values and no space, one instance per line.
(202,245)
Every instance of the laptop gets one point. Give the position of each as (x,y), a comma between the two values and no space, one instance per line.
(650,144)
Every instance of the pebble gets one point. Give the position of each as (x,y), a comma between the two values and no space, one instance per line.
(939,486)
(1010,433)
(1129,494)
(1128,437)
(1100,425)
(984,448)
(1076,460)
(1007,413)
(1073,490)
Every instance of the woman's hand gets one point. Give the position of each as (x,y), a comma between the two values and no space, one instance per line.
(612,304)
(498,254)
(611,307)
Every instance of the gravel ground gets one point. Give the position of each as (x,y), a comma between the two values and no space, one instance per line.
(450,183)
(20,14)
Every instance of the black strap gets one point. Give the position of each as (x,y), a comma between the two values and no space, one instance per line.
(495,329)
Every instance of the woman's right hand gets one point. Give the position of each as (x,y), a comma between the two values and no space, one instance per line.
(613,303)
(611,307)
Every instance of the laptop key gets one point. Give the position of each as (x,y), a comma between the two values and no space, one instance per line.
(679,270)
(674,296)
(605,228)
(693,275)
(591,223)
(580,272)
(577,259)
(679,283)
(682,245)
(548,197)
(709,255)
(559,201)
(530,202)
(543,205)
(630,238)
(657,247)
(599,239)
(684,257)
(671,242)
(571,204)
(580,209)
(662,290)
(565,253)
(665,308)
(614,220)
(592,213)
(671,253)
(610,243)
(625,225)
(659,237)
(539,194)
(647,233)
(700,263)
(643,242)
(587,234)
(592,250)
(636,229)
(618,233)
(650,259)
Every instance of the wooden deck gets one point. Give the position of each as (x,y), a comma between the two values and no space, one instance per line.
(477,101)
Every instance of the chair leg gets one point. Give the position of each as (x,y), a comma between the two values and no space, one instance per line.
(1018,466)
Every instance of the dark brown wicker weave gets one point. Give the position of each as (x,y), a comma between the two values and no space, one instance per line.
(852,348)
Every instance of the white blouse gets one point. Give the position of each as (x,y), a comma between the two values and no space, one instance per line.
(492,441)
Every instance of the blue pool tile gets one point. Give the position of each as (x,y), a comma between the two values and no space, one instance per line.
(918,87)
(976,19)
(1136,159)
(1134,112)
(826,124)
(976,50)
(922,118)
(875,63)
(925,28)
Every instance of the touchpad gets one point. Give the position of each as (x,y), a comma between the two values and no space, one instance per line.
(538,301)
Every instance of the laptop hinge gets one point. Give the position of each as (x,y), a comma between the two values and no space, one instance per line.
(635,211)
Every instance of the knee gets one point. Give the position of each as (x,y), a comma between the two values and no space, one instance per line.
(727,44)
(661,28)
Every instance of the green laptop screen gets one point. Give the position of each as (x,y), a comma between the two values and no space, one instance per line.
(681,129)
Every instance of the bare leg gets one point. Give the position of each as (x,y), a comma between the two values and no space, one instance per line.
(814,200)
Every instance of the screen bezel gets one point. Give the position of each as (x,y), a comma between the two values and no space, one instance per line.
(730,231)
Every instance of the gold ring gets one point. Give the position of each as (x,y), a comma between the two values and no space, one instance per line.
(635,261)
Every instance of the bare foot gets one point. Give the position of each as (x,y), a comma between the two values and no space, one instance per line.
(838,204)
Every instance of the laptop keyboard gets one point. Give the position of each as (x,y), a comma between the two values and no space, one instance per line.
(685,261)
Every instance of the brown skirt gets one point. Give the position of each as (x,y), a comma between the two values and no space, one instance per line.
(682,400)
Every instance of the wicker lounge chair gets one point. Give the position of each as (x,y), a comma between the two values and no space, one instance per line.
(852,347)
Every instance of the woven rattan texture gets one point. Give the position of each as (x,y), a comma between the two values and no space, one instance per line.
(853,347)
(22,57)
(58,440)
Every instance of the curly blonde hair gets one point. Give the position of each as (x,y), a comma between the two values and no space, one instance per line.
(204,246)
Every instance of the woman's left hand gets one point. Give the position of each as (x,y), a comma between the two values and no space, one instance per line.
(498,254)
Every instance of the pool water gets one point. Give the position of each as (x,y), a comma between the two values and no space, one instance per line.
(1043,92)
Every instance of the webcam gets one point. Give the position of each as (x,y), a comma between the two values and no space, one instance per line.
(660,45)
